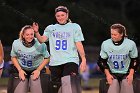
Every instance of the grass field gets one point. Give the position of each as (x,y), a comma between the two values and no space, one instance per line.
(93,84)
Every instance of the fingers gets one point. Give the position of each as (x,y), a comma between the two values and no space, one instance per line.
(35,74)
(35,24)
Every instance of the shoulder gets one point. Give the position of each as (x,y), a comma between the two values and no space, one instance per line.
(51,27)
(38,43)
(107,41)
(75,25)
(129,41)
(17,41)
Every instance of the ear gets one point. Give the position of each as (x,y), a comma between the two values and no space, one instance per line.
(122,34)
(67,16)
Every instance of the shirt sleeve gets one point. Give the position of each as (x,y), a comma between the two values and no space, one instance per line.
(134,51)
(45,51)
(78,35)
(13,52)
(103,54)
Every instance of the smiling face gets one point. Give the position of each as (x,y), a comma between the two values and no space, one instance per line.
(28,35)
(115,35)
(61,17)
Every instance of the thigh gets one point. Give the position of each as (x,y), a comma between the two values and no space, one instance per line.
(125,87)
(16,85)
(35,85)
(70,69)
(114,87)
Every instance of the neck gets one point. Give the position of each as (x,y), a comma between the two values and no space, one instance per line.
(28,44)
(117,43)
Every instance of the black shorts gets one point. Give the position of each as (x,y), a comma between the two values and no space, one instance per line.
(63,70)
(13,70)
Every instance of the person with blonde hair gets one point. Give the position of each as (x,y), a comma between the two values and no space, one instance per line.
(118,60)
(29,58)
(1,58)
(65,41)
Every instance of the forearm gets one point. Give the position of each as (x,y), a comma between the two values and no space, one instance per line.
(16,64)
(43,64)
(131,72)
(106,71)
(40,38)
(81,51)
(1,53)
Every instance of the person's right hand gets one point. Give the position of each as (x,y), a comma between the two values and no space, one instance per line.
(35,27)
(109,78)
(22,74)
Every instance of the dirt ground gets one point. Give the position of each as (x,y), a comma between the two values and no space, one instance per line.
(3,90)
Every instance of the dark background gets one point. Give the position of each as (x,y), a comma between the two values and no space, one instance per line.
(94,17)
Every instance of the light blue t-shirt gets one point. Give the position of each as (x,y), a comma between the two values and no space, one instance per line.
(119,57)
(29,58)
(62,39)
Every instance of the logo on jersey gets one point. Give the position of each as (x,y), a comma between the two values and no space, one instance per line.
(61,35)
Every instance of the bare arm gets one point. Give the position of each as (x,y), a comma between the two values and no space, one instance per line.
(109,77)
(20,71)
(40,38)
(15,62)
(36,72)
(130,76)
(1,53)
(43,64)
(81,51)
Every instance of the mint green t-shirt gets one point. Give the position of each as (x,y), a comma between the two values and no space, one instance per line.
(62,39)
(119,57)
(29,58)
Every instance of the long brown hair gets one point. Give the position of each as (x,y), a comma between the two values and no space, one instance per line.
(121,29)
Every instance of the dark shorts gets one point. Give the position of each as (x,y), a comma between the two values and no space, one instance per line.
(13,70)
(63,70)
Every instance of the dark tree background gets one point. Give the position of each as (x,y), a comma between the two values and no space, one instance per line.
(94,16)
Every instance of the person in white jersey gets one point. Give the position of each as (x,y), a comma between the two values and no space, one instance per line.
(1,58)
(65,39)
(119,60)
(29,57)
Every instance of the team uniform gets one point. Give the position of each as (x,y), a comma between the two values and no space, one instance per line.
(62,40)
(29,59)
(119,59)
(64,58)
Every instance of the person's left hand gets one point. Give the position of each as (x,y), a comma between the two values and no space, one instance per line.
(35,27)
(35,74)
(129,79)
(83,66)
